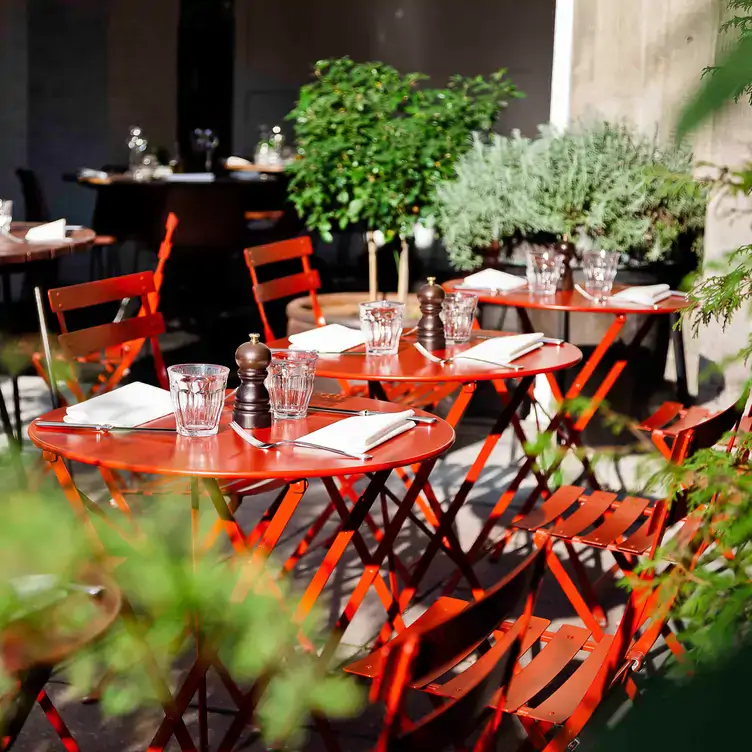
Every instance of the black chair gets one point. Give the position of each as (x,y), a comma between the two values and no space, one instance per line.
(35,202)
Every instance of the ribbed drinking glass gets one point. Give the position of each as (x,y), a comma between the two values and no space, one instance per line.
(292,374)
(381,323)
(198,396)
(458,315)
(600,271)
(544,269)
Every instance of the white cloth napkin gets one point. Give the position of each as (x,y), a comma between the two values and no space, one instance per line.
(644,295)
(88,174)
(333,338)
(493,279)
(361,433)
(191,177)
(130,405)
(502,350)
(234,162)
(50,231)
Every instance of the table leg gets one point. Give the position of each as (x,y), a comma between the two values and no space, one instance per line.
(677,339)
(17,434)
(203,724)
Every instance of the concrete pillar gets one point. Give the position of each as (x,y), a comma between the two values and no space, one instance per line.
(638,61)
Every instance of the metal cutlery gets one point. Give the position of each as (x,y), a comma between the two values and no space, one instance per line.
(99,427)
(446,361)
(342,411)
(253,441)
(325,352)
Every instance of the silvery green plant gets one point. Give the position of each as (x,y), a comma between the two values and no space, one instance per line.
(600,184)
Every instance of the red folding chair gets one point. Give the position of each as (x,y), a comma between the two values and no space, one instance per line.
(630,528)
(443,637)
(117,358)
(567,673)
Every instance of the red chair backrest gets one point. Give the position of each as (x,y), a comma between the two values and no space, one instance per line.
(85,342)
(305,282)
(428,655)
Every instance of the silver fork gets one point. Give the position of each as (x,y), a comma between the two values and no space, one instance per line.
(253,441)
(445,361)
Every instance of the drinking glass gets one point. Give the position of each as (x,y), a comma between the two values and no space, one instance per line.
(544,269)
(198,396)
(290,382)
(381,323)
(6,215)
(600,272)
(458,315)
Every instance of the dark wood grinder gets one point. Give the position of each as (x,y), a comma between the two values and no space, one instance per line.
(430,326)
(252,409)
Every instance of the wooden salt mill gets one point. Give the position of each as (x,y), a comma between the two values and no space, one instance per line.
(430,326)
(568,250)
(252,408)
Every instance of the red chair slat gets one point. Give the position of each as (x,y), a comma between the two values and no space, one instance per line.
(562,703)
(640,541)
(541,671)
(97,338)
(592,509)
(102,291)
(619,521)
(667,412)
(274,253)
(689,419)
(288,287)
(551,509)
(456,686)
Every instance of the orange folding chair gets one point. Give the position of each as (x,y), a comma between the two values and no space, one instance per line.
(119,358)
(630,528)
(566,674)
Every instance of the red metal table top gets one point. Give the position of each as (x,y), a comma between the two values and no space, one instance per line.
(570,301)
(226,455)
(409,365)
(20,253)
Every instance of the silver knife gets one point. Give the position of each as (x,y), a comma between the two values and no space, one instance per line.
(343,411)
(100,427)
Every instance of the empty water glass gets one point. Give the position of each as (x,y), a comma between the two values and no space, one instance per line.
(458,315)
(292,374)
(544,269)
(6,215)
(198,396)
(600,272)
(381,323)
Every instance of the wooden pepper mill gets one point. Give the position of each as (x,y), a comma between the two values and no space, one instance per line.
(430,326)
(568,250)
(252,408)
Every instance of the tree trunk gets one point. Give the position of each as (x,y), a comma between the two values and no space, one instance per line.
(403,283)
(373,274)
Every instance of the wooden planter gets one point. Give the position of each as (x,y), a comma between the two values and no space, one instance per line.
(340,308)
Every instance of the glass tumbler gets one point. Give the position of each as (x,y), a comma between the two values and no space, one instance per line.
(6,215)
(544,269)
(458,316)
(600,272)
(198,396)
(381,323)
(292,374)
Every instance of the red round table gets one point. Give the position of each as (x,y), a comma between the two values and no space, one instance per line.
(409,365)
(226,457)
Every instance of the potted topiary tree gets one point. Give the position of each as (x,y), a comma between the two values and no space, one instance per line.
(373,146)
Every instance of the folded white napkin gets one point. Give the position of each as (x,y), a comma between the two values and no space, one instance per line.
(361,433)
(502,350)
(643,295)
(49,231)
(88,174)
(493,279)
(233,162)
(333,338)
(191,177)
(129,406)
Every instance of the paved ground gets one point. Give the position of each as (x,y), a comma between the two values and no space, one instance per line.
(94,733)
